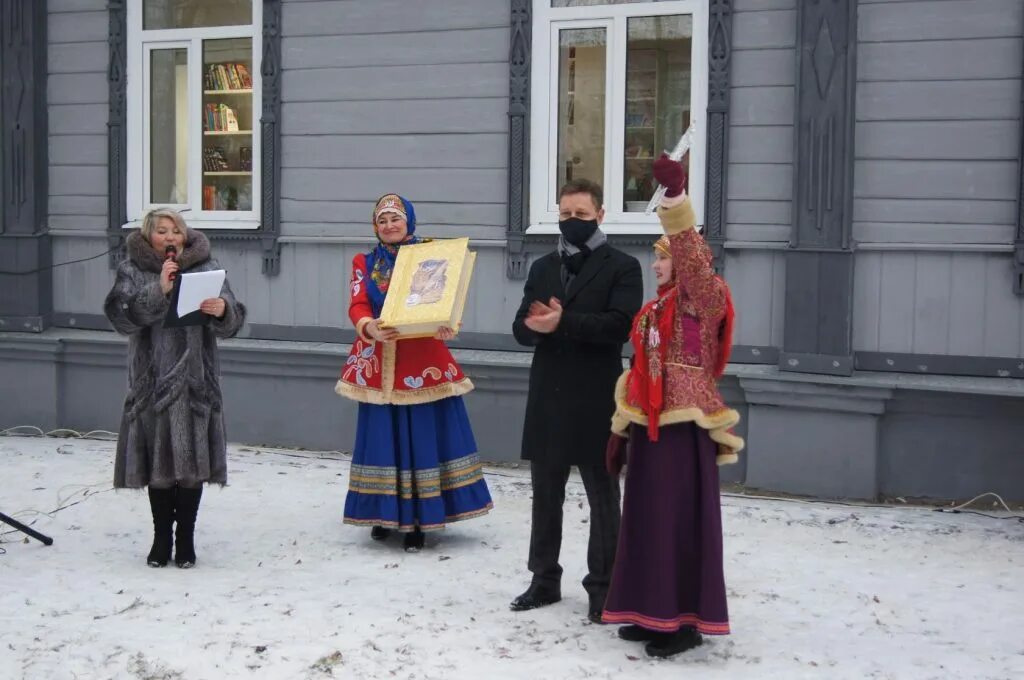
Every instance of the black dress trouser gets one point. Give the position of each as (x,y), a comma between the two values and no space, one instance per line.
(602,489)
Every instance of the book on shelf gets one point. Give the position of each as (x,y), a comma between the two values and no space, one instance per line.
(230,119)
(220,118)
(245,158)
(214,159)
(243,73)
(227,76)
(226,197)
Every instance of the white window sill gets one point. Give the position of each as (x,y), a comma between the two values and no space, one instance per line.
(206,225)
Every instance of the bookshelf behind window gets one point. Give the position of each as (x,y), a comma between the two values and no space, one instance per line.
(228,122)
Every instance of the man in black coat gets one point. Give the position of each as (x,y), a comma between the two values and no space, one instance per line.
(578,307)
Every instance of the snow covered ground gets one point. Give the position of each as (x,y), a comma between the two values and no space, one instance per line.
(284,590)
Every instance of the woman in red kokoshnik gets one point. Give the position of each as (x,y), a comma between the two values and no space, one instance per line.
(415,465)
(667,584)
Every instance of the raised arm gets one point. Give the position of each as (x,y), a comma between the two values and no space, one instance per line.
(691,258)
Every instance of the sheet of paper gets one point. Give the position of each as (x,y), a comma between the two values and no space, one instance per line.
(197,287)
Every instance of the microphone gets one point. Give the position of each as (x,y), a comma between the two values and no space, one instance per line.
(171,253)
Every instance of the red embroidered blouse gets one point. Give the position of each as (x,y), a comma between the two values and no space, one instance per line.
(411,371)
(691,390)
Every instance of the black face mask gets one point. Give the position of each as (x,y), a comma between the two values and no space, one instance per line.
(577,231)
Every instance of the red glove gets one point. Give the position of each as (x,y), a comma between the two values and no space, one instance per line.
(615,455)
(671,175)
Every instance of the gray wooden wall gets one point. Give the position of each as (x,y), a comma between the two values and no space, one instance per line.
(77,97)
(760,180)
(936,177)
(378,98)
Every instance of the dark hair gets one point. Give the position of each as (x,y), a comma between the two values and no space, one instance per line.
(584,186)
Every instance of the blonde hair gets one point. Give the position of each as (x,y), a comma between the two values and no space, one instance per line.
(152,219)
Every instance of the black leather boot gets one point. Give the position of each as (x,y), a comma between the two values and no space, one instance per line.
(185,510)
(536,596)
(161,504)
(670,644)
(414,540)
(632,633)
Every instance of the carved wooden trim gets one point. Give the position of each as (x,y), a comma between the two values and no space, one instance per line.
(819,266)
(1018,250)
(823,136)
(26,299)
(117,132)
(270,131)
(24,119)
(518,138)
(717,171)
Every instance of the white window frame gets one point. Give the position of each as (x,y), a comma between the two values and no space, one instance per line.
(547,22)
(140,43)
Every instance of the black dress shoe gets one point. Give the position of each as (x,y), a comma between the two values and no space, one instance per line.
(670,644)
(636,634)
(535,596)
(379,533)
(596,608)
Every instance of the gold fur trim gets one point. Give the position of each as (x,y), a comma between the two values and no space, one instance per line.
(387,377)
(677,219)
(402,397)
(717,424)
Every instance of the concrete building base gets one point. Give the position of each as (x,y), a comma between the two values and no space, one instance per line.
(865,436)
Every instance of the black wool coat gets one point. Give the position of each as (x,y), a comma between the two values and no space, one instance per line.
(574,370)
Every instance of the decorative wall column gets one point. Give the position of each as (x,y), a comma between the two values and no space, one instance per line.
(26,299)
(117,127)
(719,57)
(270,131)
(819,266)
(1018,251)
(518,139)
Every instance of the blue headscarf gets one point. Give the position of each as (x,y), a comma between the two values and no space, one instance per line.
(380,261)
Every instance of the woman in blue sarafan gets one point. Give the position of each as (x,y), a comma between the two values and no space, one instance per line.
(415,466)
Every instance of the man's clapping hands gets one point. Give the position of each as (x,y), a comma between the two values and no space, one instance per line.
(544,318)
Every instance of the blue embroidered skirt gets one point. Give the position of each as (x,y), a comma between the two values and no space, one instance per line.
(415,466)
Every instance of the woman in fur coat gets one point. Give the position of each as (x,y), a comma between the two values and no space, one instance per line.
(172,429)
(668,584)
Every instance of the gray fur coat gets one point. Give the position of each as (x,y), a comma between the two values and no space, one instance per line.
(172,428)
